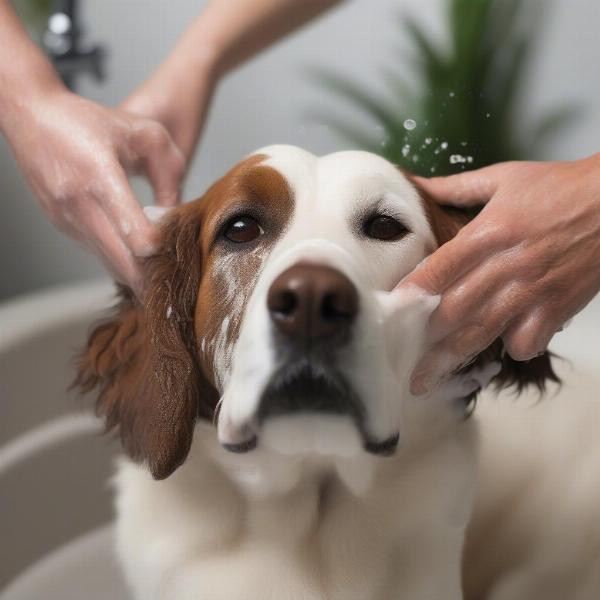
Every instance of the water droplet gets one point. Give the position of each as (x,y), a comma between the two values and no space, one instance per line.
(410,124)
(457,159)
(432,170)
(405,150)
(469,159)
(463,144)
(487,115)
(125,227)
(415,158)
(451,94)
(428,140)
(444,145)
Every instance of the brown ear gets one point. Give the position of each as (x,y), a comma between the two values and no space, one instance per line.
(446,222)
(142,359)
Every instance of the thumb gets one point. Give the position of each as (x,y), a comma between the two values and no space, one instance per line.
(162,162)
(464,189)
(165,170)
(438,271)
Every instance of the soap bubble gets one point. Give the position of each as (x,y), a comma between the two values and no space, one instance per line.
(460,159)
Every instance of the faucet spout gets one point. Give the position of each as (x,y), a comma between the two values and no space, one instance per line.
(62,43)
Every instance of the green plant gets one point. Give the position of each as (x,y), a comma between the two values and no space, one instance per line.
(34,13)
(462,113)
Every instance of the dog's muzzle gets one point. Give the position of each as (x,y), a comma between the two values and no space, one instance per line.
(312,309)
(311,303)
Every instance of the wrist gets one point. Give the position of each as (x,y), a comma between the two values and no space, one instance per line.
(198,54)
(22,92)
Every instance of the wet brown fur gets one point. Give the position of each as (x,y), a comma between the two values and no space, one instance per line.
(143,361)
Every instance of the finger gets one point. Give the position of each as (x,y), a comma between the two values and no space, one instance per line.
(126,214)
(488,293)
(99,234)
(470,317)
(465,189)
(472,245)
(161,160)
(450,354)
(529,336)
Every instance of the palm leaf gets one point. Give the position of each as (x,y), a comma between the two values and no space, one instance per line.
(467,96)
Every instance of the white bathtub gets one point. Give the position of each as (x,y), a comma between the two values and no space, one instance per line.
(55,501)
(55,507)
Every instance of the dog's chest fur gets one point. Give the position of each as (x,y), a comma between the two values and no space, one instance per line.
(202,535)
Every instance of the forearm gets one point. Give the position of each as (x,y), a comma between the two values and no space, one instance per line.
(227,33)
(232,31)
(25,72)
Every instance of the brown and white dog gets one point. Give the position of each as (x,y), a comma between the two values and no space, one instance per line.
(261,394)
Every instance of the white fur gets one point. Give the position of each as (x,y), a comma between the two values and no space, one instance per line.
(308,515)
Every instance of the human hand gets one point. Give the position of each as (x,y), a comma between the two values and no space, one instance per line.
(76,155)
(521,269)
(178,96)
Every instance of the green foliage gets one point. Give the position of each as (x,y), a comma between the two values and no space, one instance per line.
(467,99)
(33,12)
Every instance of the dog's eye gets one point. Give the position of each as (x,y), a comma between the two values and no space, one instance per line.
(242,230)
(384,228)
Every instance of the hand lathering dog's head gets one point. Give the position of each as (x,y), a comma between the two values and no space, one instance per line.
(262,309)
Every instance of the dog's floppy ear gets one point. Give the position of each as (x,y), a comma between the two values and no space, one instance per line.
(142,361)
(446,222)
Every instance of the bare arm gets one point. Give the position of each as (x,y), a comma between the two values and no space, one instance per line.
(238,29)
(76,155)
(227,33)
(22,65)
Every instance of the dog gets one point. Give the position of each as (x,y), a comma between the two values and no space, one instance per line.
(261,394)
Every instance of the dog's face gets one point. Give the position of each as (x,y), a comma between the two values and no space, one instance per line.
(301,345)
(266,312)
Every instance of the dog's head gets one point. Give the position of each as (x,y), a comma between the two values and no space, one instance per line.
(264,313)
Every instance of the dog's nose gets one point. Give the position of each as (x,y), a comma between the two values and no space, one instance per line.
(312,301)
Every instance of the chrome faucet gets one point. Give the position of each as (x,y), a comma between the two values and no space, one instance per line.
(62,43)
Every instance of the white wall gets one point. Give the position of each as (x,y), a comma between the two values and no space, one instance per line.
(265,102)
